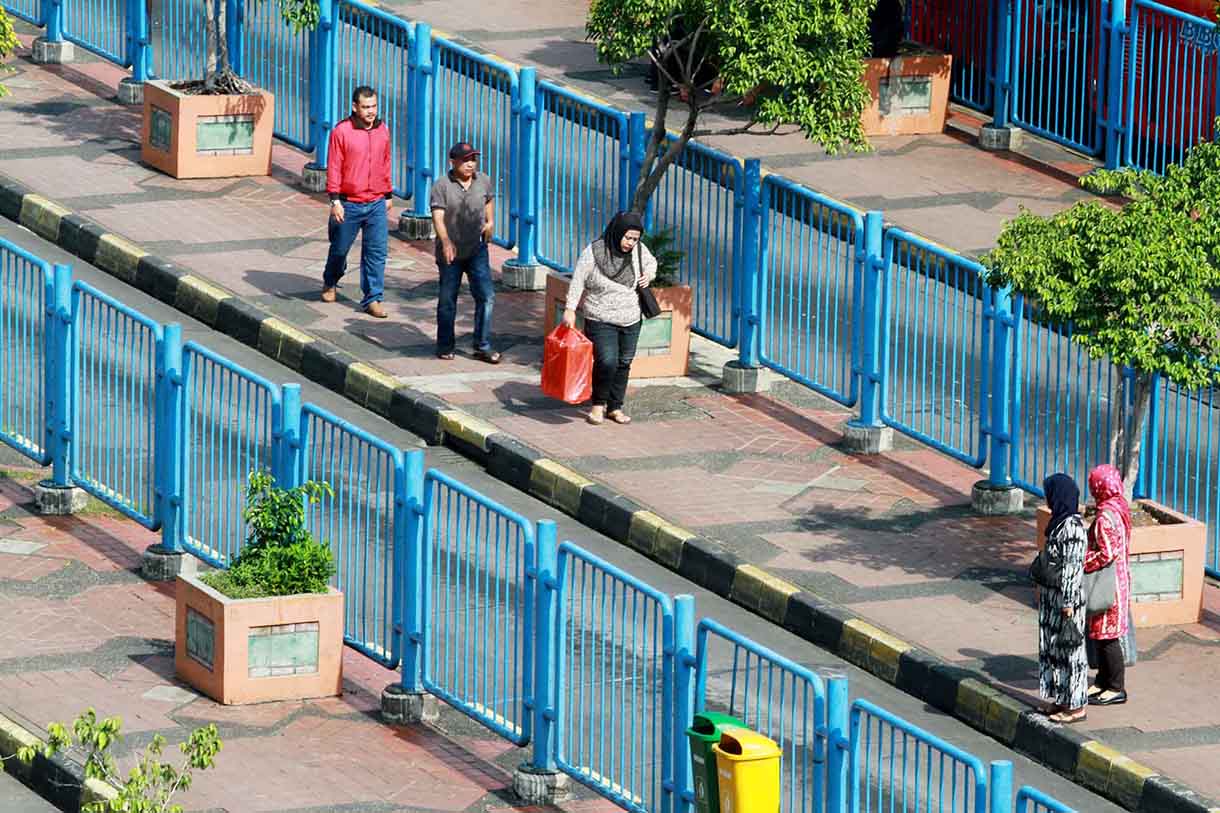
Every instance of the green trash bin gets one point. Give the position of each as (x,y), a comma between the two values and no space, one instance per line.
(703,734)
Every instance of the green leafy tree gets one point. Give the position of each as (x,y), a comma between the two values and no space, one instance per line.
(1138,284)
(151,785)
(782,62)
(218,74)
(8,44)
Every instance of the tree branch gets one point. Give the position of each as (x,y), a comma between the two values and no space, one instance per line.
(746,130)
(651,180)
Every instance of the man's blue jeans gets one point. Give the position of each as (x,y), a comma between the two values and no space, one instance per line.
(478,273)
(370,219)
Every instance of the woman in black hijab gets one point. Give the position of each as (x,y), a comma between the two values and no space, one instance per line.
(609,271)
(1063,665)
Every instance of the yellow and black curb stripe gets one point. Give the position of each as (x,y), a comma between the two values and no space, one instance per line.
(966,694)
(59,780)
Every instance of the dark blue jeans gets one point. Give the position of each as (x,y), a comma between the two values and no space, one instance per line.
(613,352)
(370,219)
(477,269)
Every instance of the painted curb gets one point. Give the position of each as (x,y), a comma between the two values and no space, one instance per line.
(59,780)
(968,695)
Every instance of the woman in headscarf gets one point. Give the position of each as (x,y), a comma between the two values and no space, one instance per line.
(1109,543)
(606,275)
(1063,666)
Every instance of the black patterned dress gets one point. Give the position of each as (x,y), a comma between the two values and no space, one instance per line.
(1063,671)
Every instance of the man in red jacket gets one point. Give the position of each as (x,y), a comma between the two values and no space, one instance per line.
(358,182)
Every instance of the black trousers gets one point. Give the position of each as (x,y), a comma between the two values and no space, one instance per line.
(1111,669)
(613,352)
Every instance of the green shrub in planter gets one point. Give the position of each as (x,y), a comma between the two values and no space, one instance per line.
(281,557)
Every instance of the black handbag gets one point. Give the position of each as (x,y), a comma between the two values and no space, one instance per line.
(648,303)
(1045,571)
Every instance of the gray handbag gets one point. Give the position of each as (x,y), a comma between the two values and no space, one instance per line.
(1100,590)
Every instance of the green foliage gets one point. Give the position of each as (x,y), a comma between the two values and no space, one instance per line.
(669,259)
(1139,283)
(8,44)
(281,557)
(800,61)
(151,784)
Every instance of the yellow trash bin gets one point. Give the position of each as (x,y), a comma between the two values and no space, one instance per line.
(747,766)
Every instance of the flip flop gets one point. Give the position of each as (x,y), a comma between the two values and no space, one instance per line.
(618,416)
(1066,718)
(445,356)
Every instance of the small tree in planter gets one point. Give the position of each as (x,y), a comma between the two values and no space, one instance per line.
(269,627)
(217,125)
(8,44)
(1138,284)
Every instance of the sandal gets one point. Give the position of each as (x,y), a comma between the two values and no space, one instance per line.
(489,356)
(618,416)
(596,415)
(1067,717)
(1094,691)
(449,356)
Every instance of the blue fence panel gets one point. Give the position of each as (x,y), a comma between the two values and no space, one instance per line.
(359,523)
(809,271)
(772,695)
(25,295)
(582,160)
(28,10)
(615,682)
(898,766)
(1181,465)
(114,374)
(230,417)
(276,59)
(474,99)
(697,199)
(1171,86)
(478,625)
(967,30)
(371,48)
(1032,800)
(1063,403)
(936,343)
(177,33)
(1057,69)
(99,26)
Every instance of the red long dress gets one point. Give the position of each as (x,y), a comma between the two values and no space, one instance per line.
(1109,542)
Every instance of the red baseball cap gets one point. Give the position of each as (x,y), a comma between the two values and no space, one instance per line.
(462,151)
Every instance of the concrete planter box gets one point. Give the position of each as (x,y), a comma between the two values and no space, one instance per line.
(664,348)
(908,95)
(258,649)
(191,136)
(1166,566)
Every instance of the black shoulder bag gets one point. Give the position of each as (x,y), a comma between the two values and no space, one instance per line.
(648,303)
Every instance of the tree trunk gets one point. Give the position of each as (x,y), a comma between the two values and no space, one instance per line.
(652,173)
(1127,438)
(217,47)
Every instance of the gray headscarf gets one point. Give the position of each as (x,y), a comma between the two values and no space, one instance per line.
(612,262)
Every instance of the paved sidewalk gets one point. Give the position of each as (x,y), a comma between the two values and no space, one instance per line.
(891,537)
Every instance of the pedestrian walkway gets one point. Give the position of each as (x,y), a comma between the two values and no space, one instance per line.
(890,537)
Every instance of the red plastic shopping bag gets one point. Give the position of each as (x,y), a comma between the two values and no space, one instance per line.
(567,365)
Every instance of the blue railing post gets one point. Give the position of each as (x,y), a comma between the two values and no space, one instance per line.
(637,139)
(408,601)
(139,51)
(1003,326)
(171,439)
(684,699)
(527,169)
(235,16)
(420,118)
(1002,76)
(286,463)
(53,20)
(322,85)
(838,743)
(415,573)
(58,382)
(1000,783)
(871,327)
(1113,89)
(749,324)
(546,679)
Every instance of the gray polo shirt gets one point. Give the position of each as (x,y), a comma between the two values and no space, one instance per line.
(463,211)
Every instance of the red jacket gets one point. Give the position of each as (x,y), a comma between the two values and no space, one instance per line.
(358,166)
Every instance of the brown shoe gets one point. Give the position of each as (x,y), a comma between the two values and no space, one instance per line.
(376,310)
(329,294)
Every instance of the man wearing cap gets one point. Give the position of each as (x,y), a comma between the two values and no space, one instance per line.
(463,213)
(358,183)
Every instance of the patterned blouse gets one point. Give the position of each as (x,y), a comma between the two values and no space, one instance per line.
(605,300)
(1108,543)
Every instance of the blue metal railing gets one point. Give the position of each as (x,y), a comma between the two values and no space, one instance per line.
(266,51)
(966,29)
(478,624)
(114,374)
(936,346)
(28,10)
(364,522)
(1032,800)
(99,26)
(26,294)
(177,34)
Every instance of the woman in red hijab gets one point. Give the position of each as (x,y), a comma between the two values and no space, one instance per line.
(1109,542)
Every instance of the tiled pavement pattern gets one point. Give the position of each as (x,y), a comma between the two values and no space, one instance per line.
(890,537)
